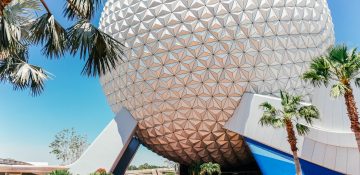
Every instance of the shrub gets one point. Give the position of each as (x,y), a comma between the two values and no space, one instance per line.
(60,172)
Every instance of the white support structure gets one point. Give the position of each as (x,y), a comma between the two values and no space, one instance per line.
(108,147)
(331,148)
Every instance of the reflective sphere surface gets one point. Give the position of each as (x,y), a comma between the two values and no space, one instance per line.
(188,62)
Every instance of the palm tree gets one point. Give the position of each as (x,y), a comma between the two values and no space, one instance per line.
(210,168)
(20,27)
(287,117)
(340,67)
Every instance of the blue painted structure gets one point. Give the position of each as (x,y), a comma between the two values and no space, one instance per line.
(127,157)
(274,162)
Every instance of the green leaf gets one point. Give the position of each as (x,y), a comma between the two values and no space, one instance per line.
(319,72)
(309,113)
(60,172)
(102,51)
(302,129)
(266,106)
(210,168)
(352,66)
(270,116)
(46,30)
(338,54)
(337,90)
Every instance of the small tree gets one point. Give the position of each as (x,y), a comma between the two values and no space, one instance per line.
(132,167)
(210,168)
(148,166)
(68,145)
(339,67)
(286,117)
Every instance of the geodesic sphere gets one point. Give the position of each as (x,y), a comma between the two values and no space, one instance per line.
(188,62)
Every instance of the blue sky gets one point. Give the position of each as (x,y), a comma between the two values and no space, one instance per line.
(28,124)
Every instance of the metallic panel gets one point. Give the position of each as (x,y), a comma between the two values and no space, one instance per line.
(188,63)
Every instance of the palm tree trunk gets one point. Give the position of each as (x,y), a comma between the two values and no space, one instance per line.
(297,163)
(3,4)
(292,141)
(352,113)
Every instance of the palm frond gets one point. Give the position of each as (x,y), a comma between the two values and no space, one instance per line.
(267,119)
(283,97)
(21,74)
(351,68)
(29,76)
(302,129)
(46,30)
(21,11)
(339,54)
(290,103)
(266,106)
(319,72)
(102,50)
(337,90)
(10,34)
(81,9)
(309,113)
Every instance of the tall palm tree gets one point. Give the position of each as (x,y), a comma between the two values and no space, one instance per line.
(291,113)
(210,168)
(340,67)
(20,28)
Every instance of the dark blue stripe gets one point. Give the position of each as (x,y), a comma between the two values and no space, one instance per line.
(272,166)
(127,157)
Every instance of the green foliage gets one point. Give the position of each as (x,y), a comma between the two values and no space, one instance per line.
(21,28)
(132,167)
(60,172)
(291,111)
(148,166)
(270,116)
(340,66)
(338,89)
(210,168)
(68,145)
(143,167)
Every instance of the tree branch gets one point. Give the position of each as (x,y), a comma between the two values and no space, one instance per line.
(3,4)
(46,7)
